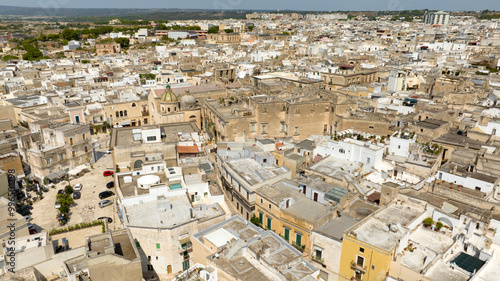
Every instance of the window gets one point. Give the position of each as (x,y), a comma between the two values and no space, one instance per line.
(48,161)
(149,258)
(296,130)
(370,127)
(61,156)
(478,188)
(362,250)
(341,150)
(261,217)
(185,265)
(137,244)
(399,146)
(264,128)
(83,136)
(421,130)
(125,113)
(283,127)
(298,239)
(269,223)
(121,113)
(360,261)
(252,127)
(133,104)
(157,246)
(73,153)
(367,160)
(261,201)
(86,149)
(71,141)
(269,206)
(150,267)
(151,138)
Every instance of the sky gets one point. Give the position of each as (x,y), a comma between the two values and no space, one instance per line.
(309,5)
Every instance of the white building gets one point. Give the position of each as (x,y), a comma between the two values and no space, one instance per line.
(460,176)
(369,155)
(440,18)
(400,145)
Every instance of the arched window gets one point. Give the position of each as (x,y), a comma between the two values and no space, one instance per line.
(133,104)
(117,114)
(121,113)
(125,113)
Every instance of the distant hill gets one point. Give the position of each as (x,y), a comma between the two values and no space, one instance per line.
(107,14)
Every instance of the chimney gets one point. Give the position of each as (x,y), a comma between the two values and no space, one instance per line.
(455,169)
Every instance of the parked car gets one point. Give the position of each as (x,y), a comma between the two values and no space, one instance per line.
(108,173)
(109,151)
(105,203)
(105,194)
(110,184)
(110,220)
(77,195)
(33,231)
(30,226)
(57,206)
(78,186)
(60,191)
(28,218)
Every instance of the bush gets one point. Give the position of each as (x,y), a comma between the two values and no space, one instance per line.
(428,221)
(68,189)
(75,227)
(439,225)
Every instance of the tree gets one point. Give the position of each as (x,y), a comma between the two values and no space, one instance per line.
(124,42)
(228,30)
(70,34)
(428,221)
(255,220)
(214,29)
(68,189)
(64,200)
(250,28)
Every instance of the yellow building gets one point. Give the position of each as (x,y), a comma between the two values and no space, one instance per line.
(290,214)
(368,247)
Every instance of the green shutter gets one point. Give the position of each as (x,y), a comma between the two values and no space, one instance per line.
(287,234)
(269,223)
(298,240)
(138,244)
(157,246)
(261,218)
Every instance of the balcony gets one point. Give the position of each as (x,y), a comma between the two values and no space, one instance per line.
(145,113)
(317,259)
(299,247)
(186,248)
(357,266)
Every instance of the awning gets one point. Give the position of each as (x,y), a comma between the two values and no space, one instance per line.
(56,175)
(125,123)
(188,149)
(77,170)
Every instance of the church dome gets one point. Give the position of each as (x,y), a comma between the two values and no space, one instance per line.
(168,96)
(188,100)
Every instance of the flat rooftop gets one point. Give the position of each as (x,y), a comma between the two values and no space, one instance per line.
(335,168)
(431,123)
(168,212)
(253,172)
(336,227)
(128,188)
(376,230)
(124,136)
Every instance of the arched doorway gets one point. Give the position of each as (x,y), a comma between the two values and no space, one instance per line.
(138,164)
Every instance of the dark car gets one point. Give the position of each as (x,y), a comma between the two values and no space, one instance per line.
(108,173)
(77,195)
(105,194)
(60,191)
(33,231)
(110,184)
(25,210)
(110,220)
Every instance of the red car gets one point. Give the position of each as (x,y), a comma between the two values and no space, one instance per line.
(108,173)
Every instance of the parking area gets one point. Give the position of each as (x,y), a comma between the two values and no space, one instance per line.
(86,208)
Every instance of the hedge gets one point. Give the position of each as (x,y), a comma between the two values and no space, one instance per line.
(75,227)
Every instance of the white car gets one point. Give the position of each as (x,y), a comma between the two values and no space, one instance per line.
(78,186)
(57,205)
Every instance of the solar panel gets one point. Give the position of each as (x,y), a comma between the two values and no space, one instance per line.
(448,208)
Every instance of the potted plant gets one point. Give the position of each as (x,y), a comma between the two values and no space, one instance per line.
(439,225)
(428,222)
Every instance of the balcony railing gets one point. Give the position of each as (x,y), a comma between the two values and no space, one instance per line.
(317,259)
(145,113)
(355,265)
(188,247)
(299,247)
